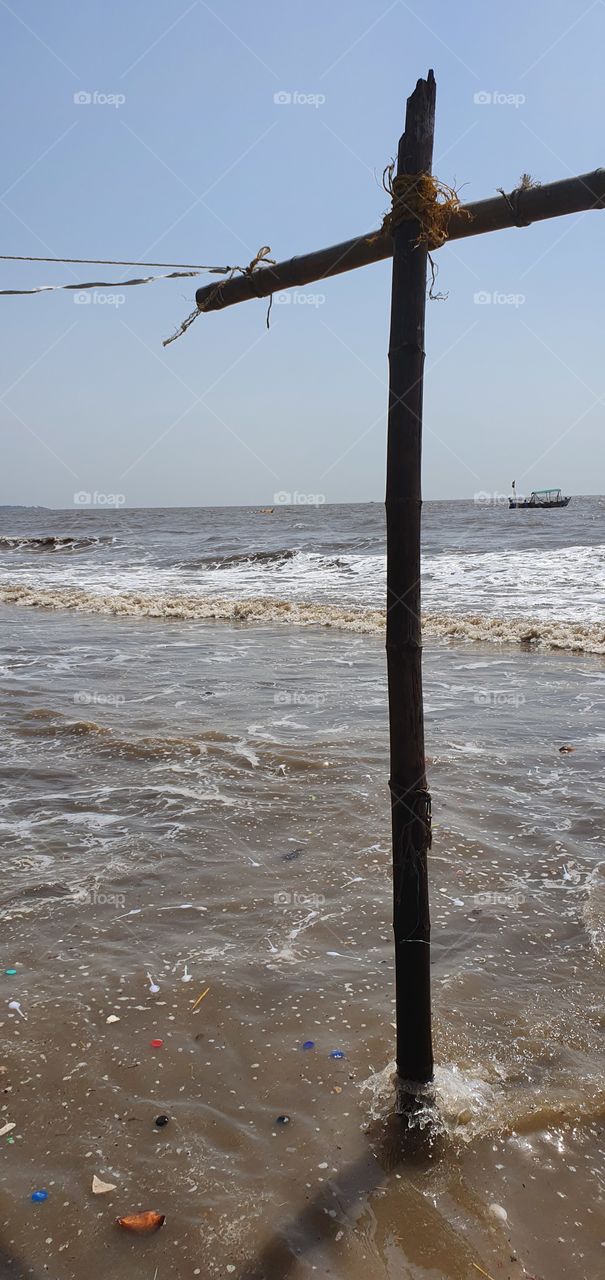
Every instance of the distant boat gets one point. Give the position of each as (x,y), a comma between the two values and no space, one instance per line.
(538,500)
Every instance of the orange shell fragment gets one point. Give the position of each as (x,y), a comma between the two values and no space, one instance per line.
(142,1223)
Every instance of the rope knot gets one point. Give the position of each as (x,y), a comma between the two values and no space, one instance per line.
(423,198)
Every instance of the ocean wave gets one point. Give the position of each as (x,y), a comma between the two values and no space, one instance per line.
(242,558)
(51,542)
(539,633)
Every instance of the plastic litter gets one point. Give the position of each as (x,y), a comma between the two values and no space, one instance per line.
(39,1196)
(11,972)
(6,1128)
(187,976)
(160,1121)
(142,1223)
(199,999)
(337,1053)
(153,986)
(157,1044)
(309,1044)
(283,1120)
(113,1017)
(15,1004)
(100,1188)
(498,1212)
(292,854)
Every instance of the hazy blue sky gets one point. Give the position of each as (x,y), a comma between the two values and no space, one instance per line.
(199,163)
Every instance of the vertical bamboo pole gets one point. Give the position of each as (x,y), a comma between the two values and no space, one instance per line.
(410,799)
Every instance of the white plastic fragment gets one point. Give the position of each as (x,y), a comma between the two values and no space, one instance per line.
(99,1188)
(153,986)
(113,1017)
(7,1129)
(15,1004)
(498,1212)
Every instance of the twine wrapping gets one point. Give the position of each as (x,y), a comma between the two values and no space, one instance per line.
(423,198)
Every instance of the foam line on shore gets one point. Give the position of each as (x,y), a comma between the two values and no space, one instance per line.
(542,633)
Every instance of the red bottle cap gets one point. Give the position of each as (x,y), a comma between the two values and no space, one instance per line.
(156,1044)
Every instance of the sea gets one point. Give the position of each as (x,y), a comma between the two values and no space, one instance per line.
(195,901)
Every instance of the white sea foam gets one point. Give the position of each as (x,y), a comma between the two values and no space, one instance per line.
(594,910)
(468,1104)
(540,632)
(536,582)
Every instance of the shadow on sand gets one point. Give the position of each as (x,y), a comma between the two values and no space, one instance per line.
(393,1147)
(13,1268)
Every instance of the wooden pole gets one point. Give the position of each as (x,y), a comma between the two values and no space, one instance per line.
(410,800)
(554,199)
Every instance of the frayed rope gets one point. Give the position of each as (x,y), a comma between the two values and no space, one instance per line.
(423,198)
(261,257)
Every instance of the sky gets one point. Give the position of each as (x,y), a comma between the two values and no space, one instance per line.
(195,133)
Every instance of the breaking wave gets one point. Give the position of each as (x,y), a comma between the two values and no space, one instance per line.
(242,558)
(539,633)
(50,542)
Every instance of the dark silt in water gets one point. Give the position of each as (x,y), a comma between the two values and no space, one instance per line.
(191,806)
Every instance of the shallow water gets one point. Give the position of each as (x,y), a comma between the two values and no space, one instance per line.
(195,798)
(232,818)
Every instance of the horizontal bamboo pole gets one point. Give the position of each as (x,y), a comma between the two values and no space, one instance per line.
(534,204)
